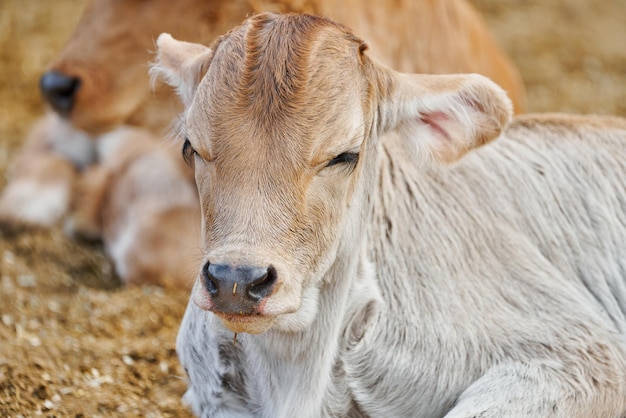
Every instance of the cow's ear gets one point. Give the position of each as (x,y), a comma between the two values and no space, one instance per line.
(444,116)
(181,65)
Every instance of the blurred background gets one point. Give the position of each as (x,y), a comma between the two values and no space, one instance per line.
(73,344)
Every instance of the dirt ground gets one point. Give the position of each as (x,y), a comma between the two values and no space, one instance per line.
(75,344)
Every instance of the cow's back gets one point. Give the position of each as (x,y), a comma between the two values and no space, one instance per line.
(568,193)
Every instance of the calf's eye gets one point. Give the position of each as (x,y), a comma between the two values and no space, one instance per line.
(188,152)
(350,158)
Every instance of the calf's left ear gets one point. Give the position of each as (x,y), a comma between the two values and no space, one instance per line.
(444,116)
(181,65)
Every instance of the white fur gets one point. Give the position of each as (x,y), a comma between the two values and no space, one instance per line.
(42,176)
(34,202)
(119,246)
(70,143)
(110,144)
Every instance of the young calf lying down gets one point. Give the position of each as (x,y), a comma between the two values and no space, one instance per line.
(141,201)
(367,279)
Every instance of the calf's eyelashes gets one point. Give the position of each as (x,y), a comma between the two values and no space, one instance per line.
(343,164)
(188,152)
(348,158)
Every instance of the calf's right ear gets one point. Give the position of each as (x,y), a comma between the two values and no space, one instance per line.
(181,65)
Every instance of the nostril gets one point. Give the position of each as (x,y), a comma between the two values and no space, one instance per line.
(262,286)
(59,90)
(237,287)
(210,281)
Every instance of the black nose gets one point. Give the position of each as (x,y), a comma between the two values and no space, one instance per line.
(238,290)
(59,90)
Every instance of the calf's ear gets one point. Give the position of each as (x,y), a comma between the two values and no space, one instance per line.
(444,116)
(181,65)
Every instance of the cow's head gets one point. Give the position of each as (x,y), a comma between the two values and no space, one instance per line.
(282,122)
(99,80)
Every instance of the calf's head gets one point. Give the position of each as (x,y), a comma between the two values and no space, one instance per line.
(283,123)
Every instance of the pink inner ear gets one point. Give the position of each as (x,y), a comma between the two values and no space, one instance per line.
(435,121)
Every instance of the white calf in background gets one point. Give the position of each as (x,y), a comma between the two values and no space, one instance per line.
(141,201)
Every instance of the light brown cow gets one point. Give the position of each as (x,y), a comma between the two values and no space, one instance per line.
(377,281)
(99,79)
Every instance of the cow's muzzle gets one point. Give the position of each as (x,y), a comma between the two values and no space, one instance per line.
(238,290)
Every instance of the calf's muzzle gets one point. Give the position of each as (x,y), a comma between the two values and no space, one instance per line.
(237,290)
(59,90)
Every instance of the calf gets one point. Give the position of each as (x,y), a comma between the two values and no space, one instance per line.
(367,279)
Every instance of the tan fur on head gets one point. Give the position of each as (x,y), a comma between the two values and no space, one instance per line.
(453,114)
